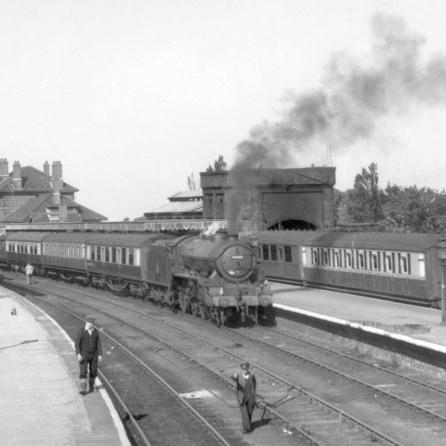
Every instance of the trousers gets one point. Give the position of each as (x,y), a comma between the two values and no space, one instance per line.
(88,364)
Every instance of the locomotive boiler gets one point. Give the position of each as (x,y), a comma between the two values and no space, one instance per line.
(218,277)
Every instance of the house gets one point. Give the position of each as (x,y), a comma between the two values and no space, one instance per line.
(29,195)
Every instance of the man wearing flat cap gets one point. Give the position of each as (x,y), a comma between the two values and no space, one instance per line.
(246,394)
(89,353)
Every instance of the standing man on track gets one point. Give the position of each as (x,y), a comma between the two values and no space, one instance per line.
(29,271)
(89,353)
(246,394)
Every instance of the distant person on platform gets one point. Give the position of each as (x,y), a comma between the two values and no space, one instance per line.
(246,394)
(89,353)
(29,271)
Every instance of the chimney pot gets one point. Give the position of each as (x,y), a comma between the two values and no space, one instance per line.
(4,168)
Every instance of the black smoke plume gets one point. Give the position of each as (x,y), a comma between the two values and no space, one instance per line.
(345,108)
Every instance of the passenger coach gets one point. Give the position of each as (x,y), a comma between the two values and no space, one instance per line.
(397,266)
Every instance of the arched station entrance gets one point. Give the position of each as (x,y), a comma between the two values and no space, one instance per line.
(292,225)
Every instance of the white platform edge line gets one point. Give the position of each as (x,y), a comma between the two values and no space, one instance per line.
(115,417)
(356,325)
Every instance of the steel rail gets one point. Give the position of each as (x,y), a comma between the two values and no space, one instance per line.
(348,377)
(291,385)
(288,424)
(144,365)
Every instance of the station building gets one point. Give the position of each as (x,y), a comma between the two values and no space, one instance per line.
(300,198)
(30,195)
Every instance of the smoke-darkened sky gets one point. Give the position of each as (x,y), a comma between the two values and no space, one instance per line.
(133,96)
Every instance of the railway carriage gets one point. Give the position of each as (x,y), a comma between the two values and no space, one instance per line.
(23,247)
(63,256)
(119,262)
(398,266)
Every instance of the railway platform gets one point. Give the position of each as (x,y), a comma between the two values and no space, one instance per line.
(396,326)
(40,403)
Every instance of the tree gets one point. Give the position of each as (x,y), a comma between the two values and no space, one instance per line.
(219,165)
(364,201)
(420,210)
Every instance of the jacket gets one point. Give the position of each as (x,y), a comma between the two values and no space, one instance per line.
(88,345)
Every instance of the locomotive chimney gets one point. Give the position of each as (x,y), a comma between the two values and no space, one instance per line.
(17,175)
(4,169)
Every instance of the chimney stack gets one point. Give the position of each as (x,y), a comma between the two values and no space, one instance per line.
(17,175)
(46,169)
(57,170)
(57,181)
(4,169)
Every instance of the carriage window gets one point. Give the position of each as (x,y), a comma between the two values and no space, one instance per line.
(421,265)
(361,259)
(107,254)
(113,255)
(314,256)
(403,263)
(288,256)
(131,257)
(325,257)
(137,257)
(374,260)
(118,255)
(274,252)
(123,255)
(280,252)
(388,264)
(348,259)
(336,258)
(265,251)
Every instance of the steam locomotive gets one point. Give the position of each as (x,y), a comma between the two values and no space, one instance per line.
(402,267)
(215,277)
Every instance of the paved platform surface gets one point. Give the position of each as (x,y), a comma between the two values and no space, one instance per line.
(415,322)
(40,403)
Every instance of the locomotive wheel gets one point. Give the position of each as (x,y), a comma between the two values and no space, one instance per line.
(203,312)
(183,301)
(194,307)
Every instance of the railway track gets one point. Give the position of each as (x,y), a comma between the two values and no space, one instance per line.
(159,417)
(284,398)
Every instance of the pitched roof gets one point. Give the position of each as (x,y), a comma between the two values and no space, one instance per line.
(187,195)
(37,208)
(34,180)
(177,207)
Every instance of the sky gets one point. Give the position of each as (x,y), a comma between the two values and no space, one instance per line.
(134,96)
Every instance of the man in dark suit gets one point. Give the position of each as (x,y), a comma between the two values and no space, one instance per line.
(89,353)
(246,394)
